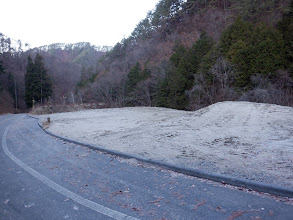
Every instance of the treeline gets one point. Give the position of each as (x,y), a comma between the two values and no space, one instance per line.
(12,64)
(65,64)
(186,54)
(190,54)
(251,62)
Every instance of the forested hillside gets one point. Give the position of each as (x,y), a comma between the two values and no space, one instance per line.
(186,54)
(65,64)
(190,54)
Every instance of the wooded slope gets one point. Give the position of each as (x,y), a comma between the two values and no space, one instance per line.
(189,54)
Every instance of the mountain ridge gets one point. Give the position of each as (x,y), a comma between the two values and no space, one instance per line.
(72,46)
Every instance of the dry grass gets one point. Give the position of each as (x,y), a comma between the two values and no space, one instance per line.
(50,109)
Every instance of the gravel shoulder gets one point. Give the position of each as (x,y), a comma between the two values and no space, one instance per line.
(240,139)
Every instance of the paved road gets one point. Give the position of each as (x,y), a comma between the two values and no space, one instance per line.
(42,177)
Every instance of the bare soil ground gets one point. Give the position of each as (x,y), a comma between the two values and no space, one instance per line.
(240,139)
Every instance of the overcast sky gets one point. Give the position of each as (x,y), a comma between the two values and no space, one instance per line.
(100,22)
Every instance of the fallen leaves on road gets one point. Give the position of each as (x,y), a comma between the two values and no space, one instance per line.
(159,199)
(117,193)
(173,182)
(239,213)
(199,204)
(135,209)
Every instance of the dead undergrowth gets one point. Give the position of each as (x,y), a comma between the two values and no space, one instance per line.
(50,109)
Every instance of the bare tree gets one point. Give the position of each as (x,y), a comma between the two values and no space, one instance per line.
(278,91)
(143,93)
(222,72)
(111,90)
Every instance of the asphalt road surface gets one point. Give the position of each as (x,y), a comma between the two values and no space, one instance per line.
(42,177)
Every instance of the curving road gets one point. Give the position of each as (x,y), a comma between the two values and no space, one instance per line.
(42,177)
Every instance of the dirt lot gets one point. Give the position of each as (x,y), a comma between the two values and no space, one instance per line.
(241,139)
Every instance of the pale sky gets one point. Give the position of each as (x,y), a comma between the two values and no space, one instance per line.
(100,22)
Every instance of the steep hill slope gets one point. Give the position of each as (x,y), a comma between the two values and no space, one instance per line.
(190,54)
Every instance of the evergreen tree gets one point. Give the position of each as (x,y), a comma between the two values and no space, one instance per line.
(171,93)
(199,51)
(30,80)
(134,77)
(252,9)
(38,86)
(44,85)
(286,28)
(88,75)
(255,49)
(186,62)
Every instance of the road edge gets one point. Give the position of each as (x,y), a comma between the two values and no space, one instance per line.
(249,184)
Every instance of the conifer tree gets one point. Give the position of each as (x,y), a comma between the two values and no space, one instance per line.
(135,76)
(186,62)
(44,85)
(254,48)
(29,82)
(286,28)
(38,86)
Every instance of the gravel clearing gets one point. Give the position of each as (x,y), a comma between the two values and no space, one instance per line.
(240,139)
